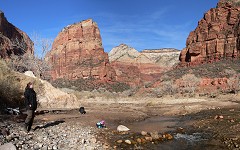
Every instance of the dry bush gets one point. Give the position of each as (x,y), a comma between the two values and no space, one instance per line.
(234,83)
(10,91)
(29,62)
(188,84)
(166,88)
(13,85)
(90,84)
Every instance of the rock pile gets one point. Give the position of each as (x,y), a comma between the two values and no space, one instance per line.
(140,140)
(53,135)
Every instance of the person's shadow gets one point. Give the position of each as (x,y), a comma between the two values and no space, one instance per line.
(52,123)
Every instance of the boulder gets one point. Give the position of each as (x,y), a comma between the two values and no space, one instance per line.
(30,74)
(48,96)
(51,97)
(122,128)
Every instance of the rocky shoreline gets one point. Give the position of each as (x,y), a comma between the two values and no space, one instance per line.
(151,127)
(51,135)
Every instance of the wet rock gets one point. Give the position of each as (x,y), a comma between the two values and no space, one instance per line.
(143,140)
(168,136)
(119,141)
(218,117)
(122,128)
(180,130)
(143,133)
(139,140)
(128,142)
(154,135)
(149,138)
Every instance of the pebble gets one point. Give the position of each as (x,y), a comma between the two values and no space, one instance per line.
(154,135)
(119,141)
(139,140)
(122,128)
(128,142)
(148,138)
(143,133)
(54,147)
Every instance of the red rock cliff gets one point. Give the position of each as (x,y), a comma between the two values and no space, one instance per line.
(216,36)
(12,39)
(77,52)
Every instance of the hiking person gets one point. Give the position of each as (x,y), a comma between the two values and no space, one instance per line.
(31,105)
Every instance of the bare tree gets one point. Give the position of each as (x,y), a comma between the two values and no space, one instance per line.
(41,45)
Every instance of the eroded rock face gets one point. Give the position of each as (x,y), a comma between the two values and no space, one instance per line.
(12,39)
(216,36)
(77,52)
(135,67)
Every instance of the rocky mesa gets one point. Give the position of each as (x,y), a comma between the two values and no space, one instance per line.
(135,67)
(216,36)
(12,39)
(77,52)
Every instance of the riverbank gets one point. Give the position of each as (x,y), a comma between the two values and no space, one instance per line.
(188,123)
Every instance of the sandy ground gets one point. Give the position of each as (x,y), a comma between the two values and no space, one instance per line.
(116,111)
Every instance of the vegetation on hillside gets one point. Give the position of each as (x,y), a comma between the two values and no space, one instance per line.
(90,84)
(10,91)
(29,62)
(186,81)
(13,85)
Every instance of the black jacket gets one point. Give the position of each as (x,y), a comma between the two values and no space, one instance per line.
(30,99)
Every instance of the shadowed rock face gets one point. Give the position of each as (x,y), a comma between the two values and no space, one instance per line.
(12,39)
(216,36)
(77,52)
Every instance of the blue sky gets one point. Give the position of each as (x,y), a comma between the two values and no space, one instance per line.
(142,24)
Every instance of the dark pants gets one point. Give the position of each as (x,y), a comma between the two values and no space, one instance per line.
(29,119)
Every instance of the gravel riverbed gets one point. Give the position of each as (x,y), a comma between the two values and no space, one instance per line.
(51,135)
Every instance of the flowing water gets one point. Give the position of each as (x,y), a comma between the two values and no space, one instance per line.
(181,141)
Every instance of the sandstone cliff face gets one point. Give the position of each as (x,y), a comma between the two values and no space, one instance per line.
(135,67)
(12,39)
(159,57)
(216,36)
(77,52)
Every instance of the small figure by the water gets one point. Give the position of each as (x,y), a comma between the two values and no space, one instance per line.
(101,124)
(31,105)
